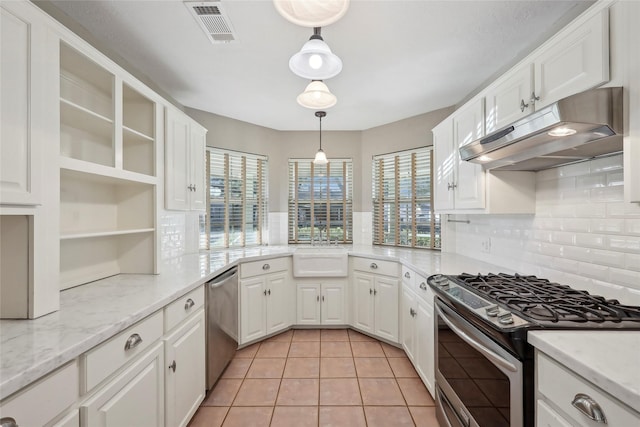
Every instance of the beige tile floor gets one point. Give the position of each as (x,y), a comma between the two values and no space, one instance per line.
(318,377)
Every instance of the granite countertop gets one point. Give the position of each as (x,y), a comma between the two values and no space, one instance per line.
(608,359)
(92,313)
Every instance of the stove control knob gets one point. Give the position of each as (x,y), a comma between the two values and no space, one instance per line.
(492,310)
(505,319)
(444,285)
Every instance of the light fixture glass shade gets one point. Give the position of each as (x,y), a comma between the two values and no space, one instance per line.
(315,61)
(317,96)
(321,158)
(312,13)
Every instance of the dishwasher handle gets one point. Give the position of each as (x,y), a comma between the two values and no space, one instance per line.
(223,278)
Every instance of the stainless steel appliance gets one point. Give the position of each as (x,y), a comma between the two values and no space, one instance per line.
(222,323)
(575,128)
(484,365)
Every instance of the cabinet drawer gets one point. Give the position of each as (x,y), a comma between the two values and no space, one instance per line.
(106,358)
(377,266)
(559,385)
(256,268)
(423,290)
(408,277)
(182,308)
(39,403)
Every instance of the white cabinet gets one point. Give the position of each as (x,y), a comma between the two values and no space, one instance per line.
(135,397)
(508,98)
(109,130)
(376,296)
(267,298)
(42,402)
(463,187)
(558,387)
(184,354)
(418,328)
(321,303)
(185,162)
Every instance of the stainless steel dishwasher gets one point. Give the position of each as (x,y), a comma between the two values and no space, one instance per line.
(222,323)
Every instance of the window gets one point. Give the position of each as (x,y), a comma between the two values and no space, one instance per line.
(237,199)
(403,200)
(320,201)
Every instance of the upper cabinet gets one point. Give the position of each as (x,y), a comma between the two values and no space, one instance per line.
(468,125)
(185,181)
(574,61)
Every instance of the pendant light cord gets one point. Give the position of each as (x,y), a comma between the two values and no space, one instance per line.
(321,132)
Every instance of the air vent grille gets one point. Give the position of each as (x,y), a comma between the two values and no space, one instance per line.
(211,18)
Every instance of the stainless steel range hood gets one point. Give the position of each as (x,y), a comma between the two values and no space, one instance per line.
(578,127)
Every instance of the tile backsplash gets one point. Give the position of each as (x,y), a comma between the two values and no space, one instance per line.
(583,233)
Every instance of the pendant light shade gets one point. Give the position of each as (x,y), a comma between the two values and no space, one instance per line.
(321,158)
(317,96)
(315,61)
(312,13)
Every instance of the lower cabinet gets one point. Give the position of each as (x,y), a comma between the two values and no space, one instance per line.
(135,397)
(184,355)
(321,304)
(418,335)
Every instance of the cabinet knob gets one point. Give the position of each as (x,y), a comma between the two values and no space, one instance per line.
(423,286)
(266,267)
(412,312)
(451,186)
(534,98)
(322,298)
(264,292)
(589,407)
(374,265)
(407,275)
(370,291)
(173,366)
(269,292)
(523,106)
(132,342)
(189,304)
(375,292)
(317,297)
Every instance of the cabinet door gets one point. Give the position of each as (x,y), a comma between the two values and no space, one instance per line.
(252,309)
(198,140)
(386,308)
(177,160)
(408,323)
(468,125)
(333,303)
(509,100)
(308,306)
(185,376)
(363,286)
(71,420)
(133,398)
(444,163)
(425,349)
(575,62)
(279,302)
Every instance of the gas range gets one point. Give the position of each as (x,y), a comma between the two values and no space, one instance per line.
(516,301)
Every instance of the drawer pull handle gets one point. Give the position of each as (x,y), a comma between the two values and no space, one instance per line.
(374,265)
(266,267)
(412,312)
(8,422)
(173,366)
(189,304)
(589,407)
(423,286)
(132,342)
(407,275)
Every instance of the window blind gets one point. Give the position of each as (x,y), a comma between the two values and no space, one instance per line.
(237,198)
(402,200)
(320,201)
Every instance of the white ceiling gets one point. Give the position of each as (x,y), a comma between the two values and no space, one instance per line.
(401,58)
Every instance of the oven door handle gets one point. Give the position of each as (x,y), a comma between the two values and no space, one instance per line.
(473,343)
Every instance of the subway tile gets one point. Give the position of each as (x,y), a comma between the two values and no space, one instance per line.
(576,224)
(611,225)
(590,240)
(551,249)
(606,164)
(623,243)
(632,261)
(563,238)
(564,264)
(577,253)
(543,236)
(615,179)
(594,271)
(625,277)
(576,169)
(592,181)
(607,194)
(610,258)
(591,210)
(632,226)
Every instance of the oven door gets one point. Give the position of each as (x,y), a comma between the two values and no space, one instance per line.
(479,384)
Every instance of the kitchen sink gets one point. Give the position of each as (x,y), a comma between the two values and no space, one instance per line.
(320,261)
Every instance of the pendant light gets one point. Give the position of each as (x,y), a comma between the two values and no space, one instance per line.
(317,96)
(321,158)
(315,61)
(312,13)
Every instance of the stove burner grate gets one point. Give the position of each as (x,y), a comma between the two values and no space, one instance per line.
(543,300)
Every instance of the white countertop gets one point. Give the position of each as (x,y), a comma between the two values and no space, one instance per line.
(91,313)
(608,359)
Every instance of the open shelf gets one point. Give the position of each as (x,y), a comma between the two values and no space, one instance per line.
(85,135)
(100,173)
(89,235)
(138,132)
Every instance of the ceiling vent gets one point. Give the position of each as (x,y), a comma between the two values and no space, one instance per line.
(213,21)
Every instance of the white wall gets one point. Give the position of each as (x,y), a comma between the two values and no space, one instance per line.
(583,233)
